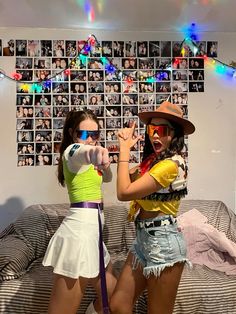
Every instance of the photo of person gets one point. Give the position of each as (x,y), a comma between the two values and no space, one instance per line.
(41,75)
(24,124)
(145,74)
(112,146)
(142,48)
(162,97)
(45,112)
(196,75)
(146,87)
(113,99)
(21,48)
(33,48)
(95,75)
(163,87)
(118,48)
(130,87)
(43,136)
(196,87)
(129,99)
(58,48)
(196,63)
(42,124)
(180,75)
(59,76)
(112,76)
(145,99)
(80,88)
(165,49)
(179,87)
(42,100)
(46,48)
(107,48)
(146,63)
(78,100)
(202,50)
(57,136)
(24,63)
(180,98)
(27,160)
(163,63)
(163,75)
(154,49)
(8,47)
(95,50)
(95,87)
(59,63)
(113,111)
(43,160)
(98,110)
(25,136)
(42,63)
(212,47)
(58,123)
(60,112)
(180,63)
(43,148)
(113,123)
(176,49)
(130,48)
(71,49)
(146,108)
(95,64)
(24,100)
(58,87)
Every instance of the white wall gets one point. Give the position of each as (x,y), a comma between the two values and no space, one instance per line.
(211,149)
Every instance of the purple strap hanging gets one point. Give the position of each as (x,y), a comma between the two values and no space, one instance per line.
(105,304)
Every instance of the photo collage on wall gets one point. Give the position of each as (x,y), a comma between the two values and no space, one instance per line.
(147,73)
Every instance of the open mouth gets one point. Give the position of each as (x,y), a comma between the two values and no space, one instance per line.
(157,145)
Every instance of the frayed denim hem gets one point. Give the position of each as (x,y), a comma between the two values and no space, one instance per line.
(156,270)
(136,260)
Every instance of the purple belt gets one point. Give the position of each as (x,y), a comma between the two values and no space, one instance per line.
(87,205)
(99,206)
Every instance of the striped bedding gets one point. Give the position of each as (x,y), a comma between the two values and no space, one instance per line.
(25,284)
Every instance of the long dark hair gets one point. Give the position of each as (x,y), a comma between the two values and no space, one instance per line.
(73,119)
(175,147)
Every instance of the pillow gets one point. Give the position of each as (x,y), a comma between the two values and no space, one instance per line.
(15,257)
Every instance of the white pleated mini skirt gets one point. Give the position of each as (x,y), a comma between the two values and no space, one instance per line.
(73,251)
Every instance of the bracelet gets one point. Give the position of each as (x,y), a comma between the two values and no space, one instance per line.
(123,160)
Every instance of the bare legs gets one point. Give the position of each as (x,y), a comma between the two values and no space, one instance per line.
(67,293)
(162,290)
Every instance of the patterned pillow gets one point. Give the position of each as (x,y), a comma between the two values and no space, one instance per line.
(15,257)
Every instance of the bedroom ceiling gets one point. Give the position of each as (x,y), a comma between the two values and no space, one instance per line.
(120,15)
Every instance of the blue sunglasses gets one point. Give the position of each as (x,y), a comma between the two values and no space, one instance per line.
(84,134)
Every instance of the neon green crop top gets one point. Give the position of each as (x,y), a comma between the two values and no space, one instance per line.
(83,186)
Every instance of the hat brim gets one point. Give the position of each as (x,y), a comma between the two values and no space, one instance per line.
(187,126)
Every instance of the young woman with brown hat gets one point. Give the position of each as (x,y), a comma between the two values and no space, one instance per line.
(155,187)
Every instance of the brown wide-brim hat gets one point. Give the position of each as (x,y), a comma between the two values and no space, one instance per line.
(170,112)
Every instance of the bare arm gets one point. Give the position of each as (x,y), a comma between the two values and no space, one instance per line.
(107,174)
(127,190)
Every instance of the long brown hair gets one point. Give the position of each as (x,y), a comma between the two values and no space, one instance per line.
(73,119)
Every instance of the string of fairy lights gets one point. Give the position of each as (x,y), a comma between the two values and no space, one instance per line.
(189,44)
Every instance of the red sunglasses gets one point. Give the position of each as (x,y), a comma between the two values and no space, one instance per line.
(161,130)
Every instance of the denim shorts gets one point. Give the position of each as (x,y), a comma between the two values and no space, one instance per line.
(159,244)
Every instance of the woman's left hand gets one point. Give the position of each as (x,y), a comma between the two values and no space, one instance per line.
(126,137)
